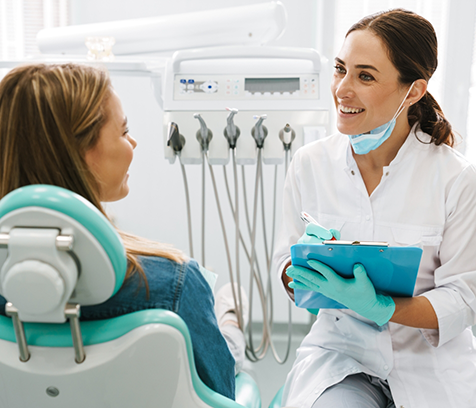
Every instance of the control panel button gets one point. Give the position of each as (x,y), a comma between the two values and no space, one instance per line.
(209,86)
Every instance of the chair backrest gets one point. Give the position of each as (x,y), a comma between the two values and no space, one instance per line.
(57,248)
(141,359)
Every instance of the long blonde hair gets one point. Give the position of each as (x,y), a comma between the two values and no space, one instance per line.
(50,115)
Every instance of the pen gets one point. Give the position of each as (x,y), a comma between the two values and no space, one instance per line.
(310,220)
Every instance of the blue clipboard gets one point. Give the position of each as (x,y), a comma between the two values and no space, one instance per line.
(392,270)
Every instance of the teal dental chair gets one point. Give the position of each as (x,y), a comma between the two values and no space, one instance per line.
(57,252)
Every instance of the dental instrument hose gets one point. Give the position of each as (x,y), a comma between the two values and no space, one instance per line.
(225,240)
(176,142)
(187,200)
(252,353)
(266,316)
(265,294)
(256,275)
(203,208)
(255,354)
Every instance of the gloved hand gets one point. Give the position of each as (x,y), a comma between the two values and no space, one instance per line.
(357,293)
(316,234)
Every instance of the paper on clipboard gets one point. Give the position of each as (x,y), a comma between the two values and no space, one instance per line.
(392,270)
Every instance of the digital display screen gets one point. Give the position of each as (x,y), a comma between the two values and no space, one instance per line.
(271,85)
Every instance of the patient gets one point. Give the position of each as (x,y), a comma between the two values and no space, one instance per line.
(63,125)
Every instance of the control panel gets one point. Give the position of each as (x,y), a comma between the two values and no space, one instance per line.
(234,87)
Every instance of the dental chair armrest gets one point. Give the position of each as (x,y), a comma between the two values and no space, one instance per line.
(246,391)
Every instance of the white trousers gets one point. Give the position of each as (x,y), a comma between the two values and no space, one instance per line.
(357,391)
(236,343)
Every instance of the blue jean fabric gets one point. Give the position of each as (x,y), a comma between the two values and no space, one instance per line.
(180,288)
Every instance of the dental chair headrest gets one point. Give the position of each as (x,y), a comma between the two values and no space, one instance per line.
(41,268)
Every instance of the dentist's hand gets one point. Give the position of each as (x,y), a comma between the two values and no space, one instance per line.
(315,234)
(357,293)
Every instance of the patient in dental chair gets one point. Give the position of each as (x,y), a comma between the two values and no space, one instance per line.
(64,125)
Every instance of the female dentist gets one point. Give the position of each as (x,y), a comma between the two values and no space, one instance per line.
(390,174)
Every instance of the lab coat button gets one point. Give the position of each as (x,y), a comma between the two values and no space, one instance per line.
(385,367)
(367,217)
(352,172)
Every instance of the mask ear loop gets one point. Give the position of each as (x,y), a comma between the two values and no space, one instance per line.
(401,107)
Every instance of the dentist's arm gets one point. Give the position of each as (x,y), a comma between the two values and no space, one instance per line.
(286,280)
(359,295)
(415,312)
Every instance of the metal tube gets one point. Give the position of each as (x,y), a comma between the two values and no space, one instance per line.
(4,238)
(64,242)
(72,312)
(12,311)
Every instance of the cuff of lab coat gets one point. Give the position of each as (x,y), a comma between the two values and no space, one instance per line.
(451,313)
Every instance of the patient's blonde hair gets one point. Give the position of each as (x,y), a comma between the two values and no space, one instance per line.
(50,115)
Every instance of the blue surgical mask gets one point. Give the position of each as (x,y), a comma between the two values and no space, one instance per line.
(365,142)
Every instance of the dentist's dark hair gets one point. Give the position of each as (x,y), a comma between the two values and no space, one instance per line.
(413,49)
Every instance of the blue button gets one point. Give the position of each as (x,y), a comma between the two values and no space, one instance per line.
(191,81)
(209,87)
(183,81)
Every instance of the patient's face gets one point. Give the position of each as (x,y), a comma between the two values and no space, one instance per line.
(110,158)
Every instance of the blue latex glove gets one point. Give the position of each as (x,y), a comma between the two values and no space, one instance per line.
(357,293)
(316,234)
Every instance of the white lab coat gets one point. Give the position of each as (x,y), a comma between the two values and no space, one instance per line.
(426,198)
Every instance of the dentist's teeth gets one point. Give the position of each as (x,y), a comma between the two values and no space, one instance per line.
(344,109)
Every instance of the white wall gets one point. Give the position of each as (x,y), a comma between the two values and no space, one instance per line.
(155,207)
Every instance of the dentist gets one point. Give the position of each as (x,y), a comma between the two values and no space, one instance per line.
(390,174)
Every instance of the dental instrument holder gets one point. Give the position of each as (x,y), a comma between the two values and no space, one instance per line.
(174,139)
(231,131)
(259,131)
(287,136)
(287,84)
(204,135)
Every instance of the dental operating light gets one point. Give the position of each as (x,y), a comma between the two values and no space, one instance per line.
(255,24)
